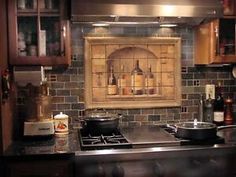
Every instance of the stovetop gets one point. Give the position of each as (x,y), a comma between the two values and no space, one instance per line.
(114,140)
(138,137)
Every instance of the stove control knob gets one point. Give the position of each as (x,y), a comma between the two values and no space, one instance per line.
(158,169)
(118,171)
(100,171)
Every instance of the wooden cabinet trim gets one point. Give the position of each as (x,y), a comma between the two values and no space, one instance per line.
(14,59)
(131,101)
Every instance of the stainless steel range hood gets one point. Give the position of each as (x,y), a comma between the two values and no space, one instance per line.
(189,12)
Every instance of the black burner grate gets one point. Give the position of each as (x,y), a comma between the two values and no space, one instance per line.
(114,140)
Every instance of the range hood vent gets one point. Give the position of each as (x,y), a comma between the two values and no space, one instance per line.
(190,12)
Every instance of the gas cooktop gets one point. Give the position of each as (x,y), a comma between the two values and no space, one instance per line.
(114,140)
(138,137)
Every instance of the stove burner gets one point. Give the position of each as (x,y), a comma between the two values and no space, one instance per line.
(113,141)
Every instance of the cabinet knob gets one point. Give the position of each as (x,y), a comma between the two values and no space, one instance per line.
(100,171)
(118,171)
(57,174)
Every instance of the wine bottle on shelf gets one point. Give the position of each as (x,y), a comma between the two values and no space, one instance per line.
(122,82)
(112,84)
(137,81)
(149,82)
(218,108)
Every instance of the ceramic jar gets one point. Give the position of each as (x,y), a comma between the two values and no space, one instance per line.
(61,124)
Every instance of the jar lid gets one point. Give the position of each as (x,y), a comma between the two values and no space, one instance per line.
(101,113)
(61,116)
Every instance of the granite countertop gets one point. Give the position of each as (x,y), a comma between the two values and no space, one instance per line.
(229,134)
(63,144)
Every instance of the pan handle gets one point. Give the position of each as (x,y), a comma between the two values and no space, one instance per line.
(172,127)
(226,126)
(83,123)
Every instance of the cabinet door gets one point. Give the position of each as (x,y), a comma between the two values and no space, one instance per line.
(227,40)
(215,42)
(206,37)
(40,169)
(38,32)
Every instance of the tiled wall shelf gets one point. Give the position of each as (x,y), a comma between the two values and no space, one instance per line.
(162,55)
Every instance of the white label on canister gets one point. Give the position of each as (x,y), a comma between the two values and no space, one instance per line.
(219,116)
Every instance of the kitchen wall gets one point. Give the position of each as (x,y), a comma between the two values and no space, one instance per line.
(67,84)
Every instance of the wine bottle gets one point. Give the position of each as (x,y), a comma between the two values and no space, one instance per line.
(218,107)
(149,82)
(122,82)
(228,115)
(112,84)
(137,80)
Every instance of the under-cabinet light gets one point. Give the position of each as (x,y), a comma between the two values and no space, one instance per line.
(100,24)
(168,25)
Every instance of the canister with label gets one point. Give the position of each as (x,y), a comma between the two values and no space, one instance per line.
(32,50)
(21,4)
(61,124)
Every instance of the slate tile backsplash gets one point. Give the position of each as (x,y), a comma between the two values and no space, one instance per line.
(67,84)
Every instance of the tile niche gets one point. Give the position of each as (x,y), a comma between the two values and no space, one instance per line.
(118,57)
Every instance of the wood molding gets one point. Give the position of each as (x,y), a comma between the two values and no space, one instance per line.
(167,70)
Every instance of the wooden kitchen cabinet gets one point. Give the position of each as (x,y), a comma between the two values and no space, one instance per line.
(229,7)
(215,42)
(39,32)
(40,168)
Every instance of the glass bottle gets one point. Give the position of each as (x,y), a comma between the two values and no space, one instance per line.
(149,82)
(137,80)
(208,110)
(112,84)
(218,107)
(122,82)
(200,109)
(228,116)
